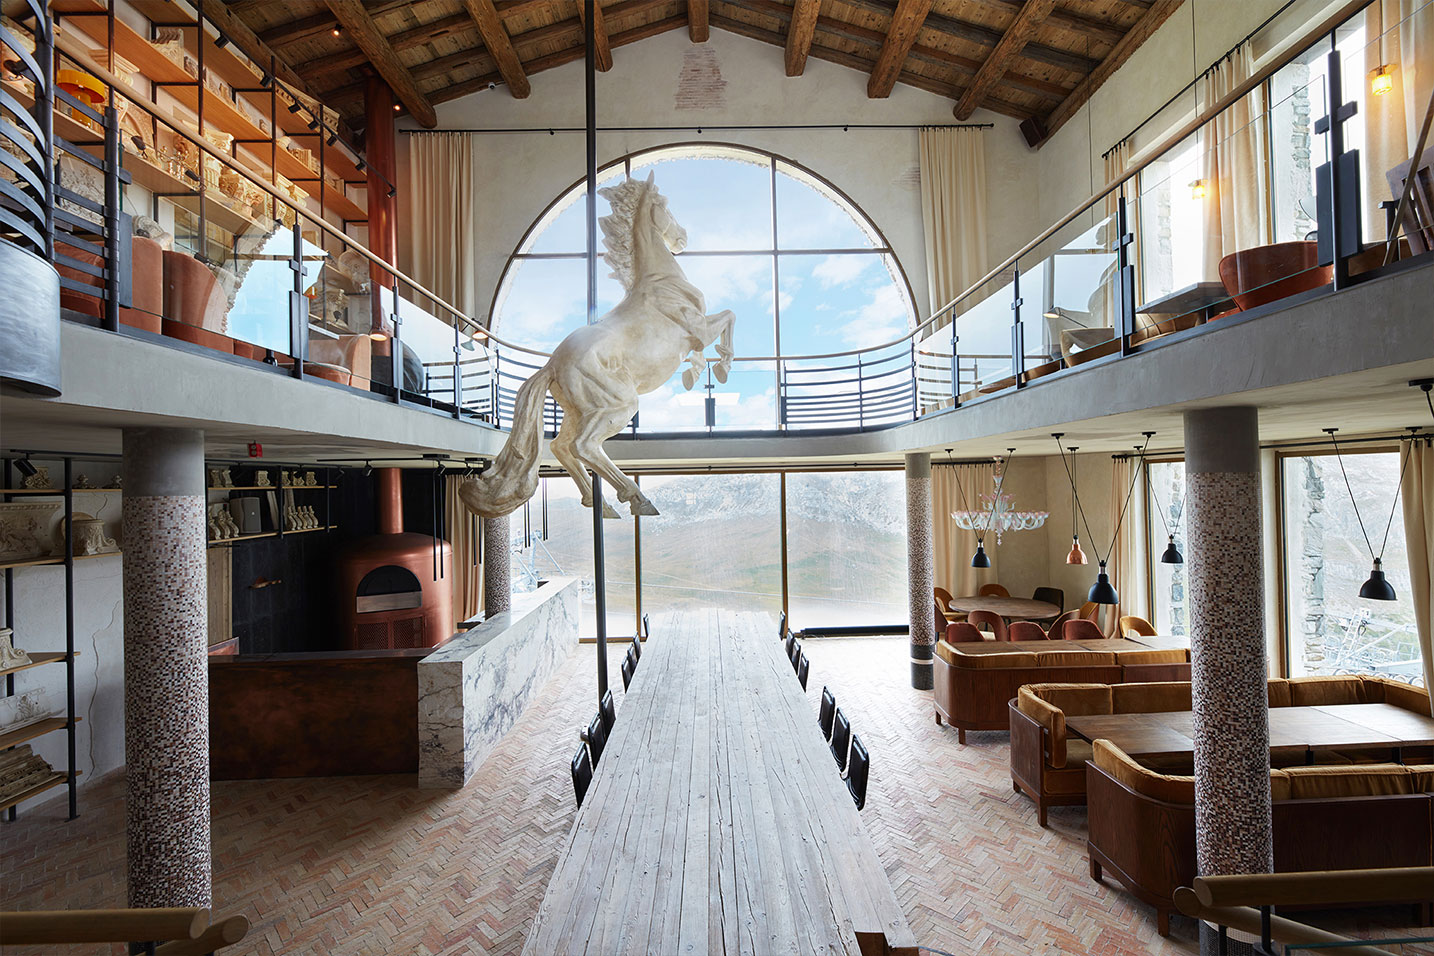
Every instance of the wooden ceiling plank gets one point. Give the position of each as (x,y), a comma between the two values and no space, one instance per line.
(496,39)
(900,36)
(698,20)
(360,27)
(800,31)
(1065,19)
(1158,13)
(601,49)
(513,7)
(304,28)
(418,36)
(1013,41)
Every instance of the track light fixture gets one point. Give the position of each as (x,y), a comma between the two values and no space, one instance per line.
(333,138)
(392,191)
(294,107)
(367,469)
(313,124)
(1376,588)
(26,467)
(360,165)
(221,41)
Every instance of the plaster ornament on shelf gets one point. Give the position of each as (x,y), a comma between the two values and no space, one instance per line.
(286,479)
(89,537)
(599,370)
(25,529)
(82,483)
(261,479)
(10,655)
(117,482)
(310,479)
(40,480)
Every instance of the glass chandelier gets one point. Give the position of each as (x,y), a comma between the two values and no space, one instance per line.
(998,512)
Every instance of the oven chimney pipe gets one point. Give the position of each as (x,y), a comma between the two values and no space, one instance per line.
(388,492)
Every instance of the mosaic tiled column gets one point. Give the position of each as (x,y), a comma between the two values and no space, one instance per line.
(1227,640)
(497,586)
(920,572)
(166,668)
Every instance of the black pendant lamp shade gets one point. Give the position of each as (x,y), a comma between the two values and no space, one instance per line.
(1172,554)
(1103,592)
(1377,588)
(980,559)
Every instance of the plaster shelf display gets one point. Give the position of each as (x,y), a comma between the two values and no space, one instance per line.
(20,771)
(261,479)
(220,478)
(10,655)
(25,529)
(40,480)
(89,538)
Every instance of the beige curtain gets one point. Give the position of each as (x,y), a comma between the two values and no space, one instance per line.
(443,235)
(1270,504)
(1417,493)
(461,528)
(953,210)
(1234,164)
(1128,557)
(957,488)
(1399,35)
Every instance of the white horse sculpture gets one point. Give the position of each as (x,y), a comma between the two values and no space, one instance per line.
(599,370)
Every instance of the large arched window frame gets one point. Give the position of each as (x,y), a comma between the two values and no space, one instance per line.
(804,268)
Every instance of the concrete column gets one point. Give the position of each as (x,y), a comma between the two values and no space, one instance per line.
(166,668)
(1227,639)
(497,587)
(920,568)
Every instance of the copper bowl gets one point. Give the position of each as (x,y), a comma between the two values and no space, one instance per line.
(1264,274)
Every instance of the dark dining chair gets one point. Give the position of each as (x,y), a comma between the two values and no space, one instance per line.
(646,630)
(1051,596)
(628,667)
(804,668)
(826,715)
(791,646)
(857,770)
(794,653)
(596,737)
(963,632)
(582,773)
(989,620)
(608,710)
(782,626)
(637,648)
(1081,630)
(841,738)
(992,590)
(1026,631)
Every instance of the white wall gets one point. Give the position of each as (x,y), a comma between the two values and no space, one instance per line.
(519,174)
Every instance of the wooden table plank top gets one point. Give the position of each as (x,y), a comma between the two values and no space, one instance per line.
(1409,728)
(717,820)
(1023,609)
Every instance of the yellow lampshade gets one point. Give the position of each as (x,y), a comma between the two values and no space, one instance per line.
(1198,189)
(1383,80)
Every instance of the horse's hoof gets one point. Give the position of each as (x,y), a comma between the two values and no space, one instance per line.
(719,372)
(642,506)
(689,378)
(607,511)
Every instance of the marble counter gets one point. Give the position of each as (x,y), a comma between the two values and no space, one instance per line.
(472,690)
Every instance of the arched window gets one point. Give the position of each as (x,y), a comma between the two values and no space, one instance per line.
(802,267)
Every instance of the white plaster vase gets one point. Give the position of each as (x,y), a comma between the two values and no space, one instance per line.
(90,537)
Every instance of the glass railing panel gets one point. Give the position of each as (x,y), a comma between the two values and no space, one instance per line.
(1071,297)
(1169,217)
(983,339)
(935,360)
(1298,99)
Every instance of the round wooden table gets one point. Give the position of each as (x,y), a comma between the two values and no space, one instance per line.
(1012,609)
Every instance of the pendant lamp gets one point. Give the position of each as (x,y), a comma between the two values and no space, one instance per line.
(1376,588)
(1172,554)
(980,559)
(1102,591)
(1076,556)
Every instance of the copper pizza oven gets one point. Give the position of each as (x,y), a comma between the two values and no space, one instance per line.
(393,586)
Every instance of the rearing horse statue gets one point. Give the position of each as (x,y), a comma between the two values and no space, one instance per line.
(599,370)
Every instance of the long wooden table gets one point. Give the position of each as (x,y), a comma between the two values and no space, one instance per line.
(717,821)
(1019,609)
(1310,729)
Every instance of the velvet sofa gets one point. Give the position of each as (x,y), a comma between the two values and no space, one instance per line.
(1142,822)
(975,682)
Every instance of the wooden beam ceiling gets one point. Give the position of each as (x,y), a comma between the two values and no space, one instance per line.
(799,34)
(1154,16)
(296,30)
(601,49)
(1013,41)
(348,59)
(900,36)
(698,18)
(1065,19)
(496,39)
(362,30)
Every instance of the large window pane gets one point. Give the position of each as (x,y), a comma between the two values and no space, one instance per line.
(1167,516)
(716,543)
(1330,629)
(811,216)
(846,548)
(723,200)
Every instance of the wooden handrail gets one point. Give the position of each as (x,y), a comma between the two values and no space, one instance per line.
(1405,884)
(1282,930)
(52,927)
(219,935)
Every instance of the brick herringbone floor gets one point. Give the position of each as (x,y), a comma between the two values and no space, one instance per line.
(372,865)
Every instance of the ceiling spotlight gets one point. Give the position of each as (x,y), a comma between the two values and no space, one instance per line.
(313,124)
(265,79)
(337,32)
(294,107)
(26,468)
(378,335)
(367,469)
(392,191)
(397,107)
(360,165)
(221,41)
(333,138)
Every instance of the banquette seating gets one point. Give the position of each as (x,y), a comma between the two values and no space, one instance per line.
(975,682)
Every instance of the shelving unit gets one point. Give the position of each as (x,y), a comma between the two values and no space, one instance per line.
(36,659)
(326,486)
(54,780)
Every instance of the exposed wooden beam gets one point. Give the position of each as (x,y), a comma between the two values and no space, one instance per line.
(1013,41)
(514,7)
(1157,14)
(348,59)
(601,50)
(1066,20)
(698,18)
(900,36)
(799,34)
(495,38)
(363,31)
(303,28)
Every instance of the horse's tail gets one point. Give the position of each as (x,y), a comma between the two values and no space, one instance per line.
(513,478)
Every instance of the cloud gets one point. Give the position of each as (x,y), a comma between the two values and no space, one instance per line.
(841,270)
(884,317)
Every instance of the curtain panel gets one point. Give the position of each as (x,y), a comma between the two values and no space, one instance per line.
(953,210)
(1234,164)
(442,184)
(1417,493)
(1127,569)
(959,488)
(1398,36)
(463,530)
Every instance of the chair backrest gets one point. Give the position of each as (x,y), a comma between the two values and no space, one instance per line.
(596,737)
(1058,625)
(963,632)
(582,773)
(1051,596)
(1088,611)
(628,666)
(1131,624)
(857,770)
(992,590)
(1419,215)
(608,710)
(989,621)
(804,668)
(1081,630)
(637,647)
(943,598)
(782,625)
(646,630)
(841,738)
(940,618)
(1026,631)
(794,653)
(791,646)
(827,714)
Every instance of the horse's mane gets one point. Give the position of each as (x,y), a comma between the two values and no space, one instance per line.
(617,227)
